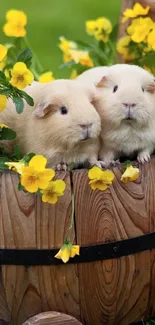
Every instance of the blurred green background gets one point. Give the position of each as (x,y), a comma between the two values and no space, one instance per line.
(50,19)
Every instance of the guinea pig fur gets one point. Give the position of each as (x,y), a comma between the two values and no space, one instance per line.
(125,100)
(63,125)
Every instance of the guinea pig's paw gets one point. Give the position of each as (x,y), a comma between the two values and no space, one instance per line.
(98,163)
(61,167)
(115,162)
(143,157)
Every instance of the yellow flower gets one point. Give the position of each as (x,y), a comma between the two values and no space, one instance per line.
(75,250)
(3,102)
(100,179)
(100,28)
(81,57)
(3,126)
(16,166)
(73,74)
(3,52)
(138,10)
(35,176)
(21,75)
(91,27)
(16,21)
(151,39)
(140,28)
(130,174)
(46,77)
(103,29)
(122,48)
(53,190)
(66,45)
(66,251)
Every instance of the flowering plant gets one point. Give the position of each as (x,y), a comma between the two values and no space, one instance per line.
(138,45)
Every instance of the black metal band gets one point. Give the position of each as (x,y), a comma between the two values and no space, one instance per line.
(89,253)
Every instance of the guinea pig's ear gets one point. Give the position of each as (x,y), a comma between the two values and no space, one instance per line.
(42,109)
(103,82)
(151,88)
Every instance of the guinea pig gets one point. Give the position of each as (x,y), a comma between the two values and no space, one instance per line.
(63,125)
(125,100)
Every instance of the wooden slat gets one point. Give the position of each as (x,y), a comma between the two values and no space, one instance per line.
(5,315)
(119,289)
(52,318)
(149,191)
(29,223)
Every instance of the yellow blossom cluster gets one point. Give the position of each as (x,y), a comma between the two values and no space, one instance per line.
(99,28)
(35,176)
(140,32)
(68,250)
(71,53)
(101,179)
(16,21)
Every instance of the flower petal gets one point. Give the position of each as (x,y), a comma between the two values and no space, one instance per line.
(3,102)
(50,198)
(38,162)
(95,172)
(30,186)
(107,176)
(95,184)
(3,52)
(131,174)
(75,250)
(63,254)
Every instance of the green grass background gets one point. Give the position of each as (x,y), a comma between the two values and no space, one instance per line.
(50,19)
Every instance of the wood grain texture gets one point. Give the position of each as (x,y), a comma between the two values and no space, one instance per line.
(5,315)
(52,318)
(148,182)
(119,289)
(26,222)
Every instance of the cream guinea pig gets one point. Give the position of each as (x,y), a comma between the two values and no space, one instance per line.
(63,125)
(125,100)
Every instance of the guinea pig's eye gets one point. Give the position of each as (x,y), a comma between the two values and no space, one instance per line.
(63,110)
(142,89)
(115,89)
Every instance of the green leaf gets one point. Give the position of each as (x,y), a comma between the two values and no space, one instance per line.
(38,193)
(28,99)
(2,163)
(114,33)
(28,157)
(19,104)
(16,152)
(20,187)
(7,134)
(148,60)
(2,77)
(25,56)
(84,45)
(127,163)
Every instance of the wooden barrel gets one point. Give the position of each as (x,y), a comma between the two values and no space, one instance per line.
(106,291)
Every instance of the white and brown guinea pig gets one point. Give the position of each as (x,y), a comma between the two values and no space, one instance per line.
(125,100)
(63,125)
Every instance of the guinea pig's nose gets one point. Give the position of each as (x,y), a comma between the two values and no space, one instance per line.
(85,126)
(129,105)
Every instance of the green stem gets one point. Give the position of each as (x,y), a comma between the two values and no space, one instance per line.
(73,209)
(27,43)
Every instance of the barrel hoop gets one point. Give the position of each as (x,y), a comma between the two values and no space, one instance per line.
(91,253)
